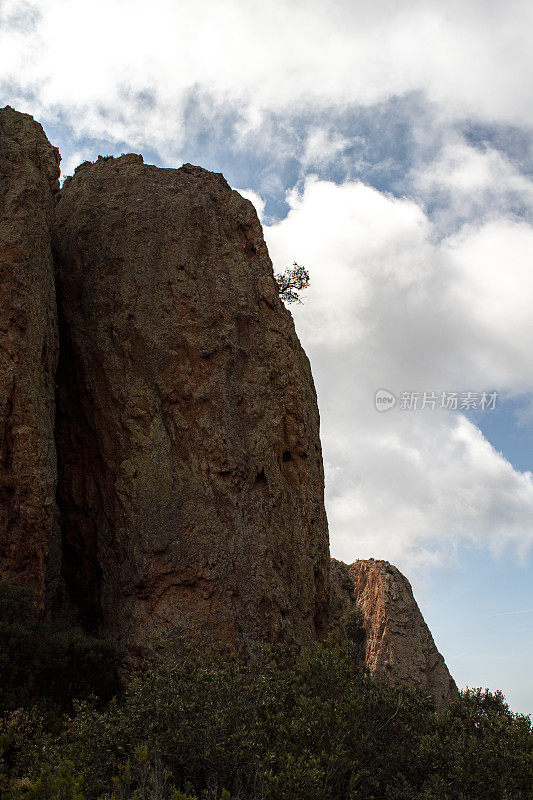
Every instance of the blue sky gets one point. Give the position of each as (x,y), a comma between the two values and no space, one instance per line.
(389,148)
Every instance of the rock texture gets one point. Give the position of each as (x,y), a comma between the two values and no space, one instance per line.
(190,468)
(29,172)
(398,646)
(188,491)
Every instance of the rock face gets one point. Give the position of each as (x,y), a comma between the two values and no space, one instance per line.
(190,468)
(29,534)
(188,491)
(398,645)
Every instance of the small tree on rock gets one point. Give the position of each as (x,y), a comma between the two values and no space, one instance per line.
(292,282)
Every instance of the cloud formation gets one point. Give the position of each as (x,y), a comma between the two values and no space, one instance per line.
(463,183)
(117,70)
(393,306)
(426,290)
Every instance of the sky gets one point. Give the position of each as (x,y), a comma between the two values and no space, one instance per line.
(387,147)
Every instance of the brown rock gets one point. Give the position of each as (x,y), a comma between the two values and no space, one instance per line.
(398,645)
(190,469)
(29,535)
(190,477)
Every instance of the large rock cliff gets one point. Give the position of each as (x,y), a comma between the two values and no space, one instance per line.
(397,645)
(188,493)
(190,468)
(29,172)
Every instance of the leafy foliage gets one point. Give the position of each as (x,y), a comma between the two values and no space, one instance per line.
(353,625)
(306,724)
(59,784)
(44,662)
(291,282)
(309,725)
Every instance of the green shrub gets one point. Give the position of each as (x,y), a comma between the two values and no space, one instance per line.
(308,725)
(59,784)
(304,725)
(40,661)
(353,626)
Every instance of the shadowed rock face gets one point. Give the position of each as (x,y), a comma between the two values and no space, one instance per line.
(190,469)
(29,172)
(398,645)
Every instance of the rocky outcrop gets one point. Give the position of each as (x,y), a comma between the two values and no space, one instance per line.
(190,468)
(398,646)
(188,493)
(29,172)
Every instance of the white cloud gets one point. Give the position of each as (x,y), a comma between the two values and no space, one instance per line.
(94,63)
(69,164)
(469,183)
(255,199)
(322,145)
(392,307)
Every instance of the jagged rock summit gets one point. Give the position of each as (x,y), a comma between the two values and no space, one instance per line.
(160,459)
(397,646)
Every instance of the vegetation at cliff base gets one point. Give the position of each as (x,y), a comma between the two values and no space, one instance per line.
(304,725)
(41,662)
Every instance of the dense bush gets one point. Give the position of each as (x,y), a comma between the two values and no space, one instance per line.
(306,726)
(44,662)
(352,625)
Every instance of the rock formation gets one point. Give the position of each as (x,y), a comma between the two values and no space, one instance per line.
(29,172)
(189,479)
(190,468)
(398,646)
